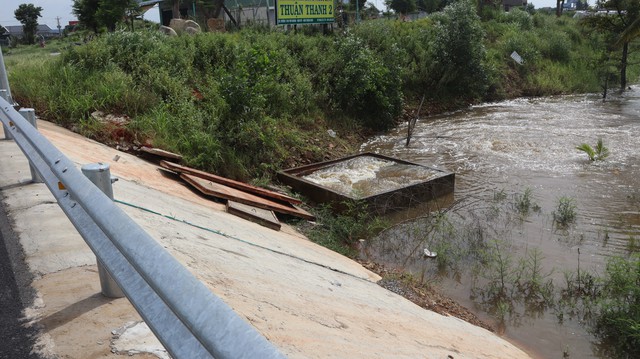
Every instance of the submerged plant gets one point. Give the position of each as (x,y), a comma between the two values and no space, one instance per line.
(524,203)
(565,212)
(618,320)
(599,153)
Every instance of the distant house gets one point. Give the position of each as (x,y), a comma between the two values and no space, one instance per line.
(570,5)
(42,30)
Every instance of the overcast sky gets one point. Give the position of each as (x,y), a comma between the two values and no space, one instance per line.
(51,9)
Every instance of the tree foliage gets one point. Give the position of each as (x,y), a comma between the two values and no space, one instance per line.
(431,6)
(621,26)
(86,11)
(459,51)
(28,15)
(94,14)
(402,6)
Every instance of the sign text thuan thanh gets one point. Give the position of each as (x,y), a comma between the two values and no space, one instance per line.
(304,11)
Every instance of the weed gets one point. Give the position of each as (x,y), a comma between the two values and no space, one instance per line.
(524,203)
(533,283)
(500,195)
(618,320)
(342,232)
(565,212)
(632,244)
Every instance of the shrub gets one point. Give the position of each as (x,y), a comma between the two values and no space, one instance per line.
(360,85)
(519,17)
(565,212)
(618,321)
(459,52)
(557,47)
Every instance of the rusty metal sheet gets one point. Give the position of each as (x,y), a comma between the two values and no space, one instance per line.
(221,191)
(161,153)
(230,183)
(263,217)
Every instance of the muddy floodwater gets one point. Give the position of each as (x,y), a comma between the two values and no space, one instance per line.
(500,150)
(365,176)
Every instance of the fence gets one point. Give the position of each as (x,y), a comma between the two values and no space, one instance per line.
(189,320)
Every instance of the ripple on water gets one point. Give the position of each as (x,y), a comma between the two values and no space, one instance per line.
(531,143)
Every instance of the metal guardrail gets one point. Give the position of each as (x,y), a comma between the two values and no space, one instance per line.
(189,320)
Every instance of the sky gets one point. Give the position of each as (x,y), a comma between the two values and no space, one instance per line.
(51,9)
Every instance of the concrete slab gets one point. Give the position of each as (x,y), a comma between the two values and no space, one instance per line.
(310,302)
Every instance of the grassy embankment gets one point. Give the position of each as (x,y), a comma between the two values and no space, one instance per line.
(244,104)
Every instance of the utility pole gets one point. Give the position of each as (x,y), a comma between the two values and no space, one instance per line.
(59,27)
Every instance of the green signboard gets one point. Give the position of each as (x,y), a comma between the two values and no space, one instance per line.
(289,12)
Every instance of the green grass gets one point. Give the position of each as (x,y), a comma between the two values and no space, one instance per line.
(246,103)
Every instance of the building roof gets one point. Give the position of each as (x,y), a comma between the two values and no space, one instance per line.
(16,30)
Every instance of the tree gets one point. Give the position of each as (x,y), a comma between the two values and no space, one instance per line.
(403,7)
(110,12)
(28,15)
(355,6)
(93,14)
(86,11)
(371,12)
(458,69)
(431,6)
(621,26)
(631,32)
(582,5)
(559,6)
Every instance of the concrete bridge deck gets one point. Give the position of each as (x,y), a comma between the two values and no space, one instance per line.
(307,300)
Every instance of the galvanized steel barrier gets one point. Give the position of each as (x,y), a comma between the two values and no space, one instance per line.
(189,320)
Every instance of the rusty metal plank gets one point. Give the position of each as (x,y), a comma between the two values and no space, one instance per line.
(229,182)
(225,192)
(161,153)
(257,215)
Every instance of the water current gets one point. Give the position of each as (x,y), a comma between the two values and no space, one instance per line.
(508,147)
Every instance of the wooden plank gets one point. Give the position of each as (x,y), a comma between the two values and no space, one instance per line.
(161,153)
(230,183)
(257,215)
(225,192)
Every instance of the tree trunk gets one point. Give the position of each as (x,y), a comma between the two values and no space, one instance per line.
(623,66)
(559,4)
(176,9)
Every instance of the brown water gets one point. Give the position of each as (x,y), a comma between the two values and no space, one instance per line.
(505,148)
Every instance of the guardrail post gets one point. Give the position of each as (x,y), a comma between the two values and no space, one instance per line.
(30,115)
(100,175)
(4,79)
(5,95)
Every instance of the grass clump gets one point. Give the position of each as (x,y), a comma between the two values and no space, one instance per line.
(565,212)
(342,232)
(524,203)
(618,321)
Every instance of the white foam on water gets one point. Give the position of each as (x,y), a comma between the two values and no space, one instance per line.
(366,175)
